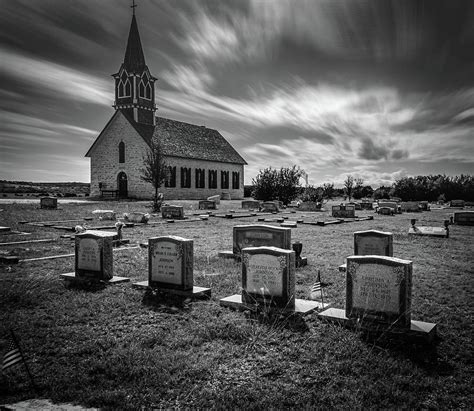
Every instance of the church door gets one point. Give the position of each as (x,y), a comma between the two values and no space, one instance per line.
(122,185)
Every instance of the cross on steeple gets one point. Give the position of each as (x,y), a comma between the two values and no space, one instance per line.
(133,6)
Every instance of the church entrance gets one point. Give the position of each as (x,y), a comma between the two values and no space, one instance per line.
(122,185)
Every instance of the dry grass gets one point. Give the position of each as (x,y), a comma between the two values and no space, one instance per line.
(118,347)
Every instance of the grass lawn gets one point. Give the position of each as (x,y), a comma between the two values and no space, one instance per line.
(122,348)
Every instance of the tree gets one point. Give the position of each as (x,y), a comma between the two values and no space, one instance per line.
(272,184)
(319,194)
(155,171)
(349,186)
(359,185)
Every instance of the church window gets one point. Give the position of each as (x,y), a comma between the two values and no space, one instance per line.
(170,180)
(224,179)
(235,180)
(212,178)
(200,178)
(121,152)
(185,177)
(124,88)
(144,88)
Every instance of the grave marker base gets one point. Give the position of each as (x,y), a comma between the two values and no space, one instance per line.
(196,292)
(302,307)
(421,329)
(228,254)
(301,262)
(431,231)
(71,278)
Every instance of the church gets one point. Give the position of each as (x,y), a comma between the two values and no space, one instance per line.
(200,161)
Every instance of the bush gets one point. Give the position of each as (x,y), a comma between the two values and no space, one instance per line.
(272,184)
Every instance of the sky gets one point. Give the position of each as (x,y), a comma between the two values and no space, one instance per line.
(375,89)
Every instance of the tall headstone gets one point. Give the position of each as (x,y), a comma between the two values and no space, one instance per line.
(170,263)
(268,277)
(373,242)
(256,235)
(378,290)
(93,255)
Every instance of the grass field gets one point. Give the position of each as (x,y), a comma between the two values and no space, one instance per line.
(121,348)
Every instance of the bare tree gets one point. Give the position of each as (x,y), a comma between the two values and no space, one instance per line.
(349,186)
(155,171)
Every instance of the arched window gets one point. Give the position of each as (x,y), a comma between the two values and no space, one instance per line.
(121,152)
(124,88)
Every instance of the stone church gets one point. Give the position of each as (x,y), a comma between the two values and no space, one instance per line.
(200,161)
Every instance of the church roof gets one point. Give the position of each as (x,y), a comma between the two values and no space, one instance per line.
(134,61)
(179,139)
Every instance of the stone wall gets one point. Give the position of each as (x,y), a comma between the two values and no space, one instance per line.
(105,167)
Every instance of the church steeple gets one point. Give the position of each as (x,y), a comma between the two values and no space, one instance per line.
(134,85)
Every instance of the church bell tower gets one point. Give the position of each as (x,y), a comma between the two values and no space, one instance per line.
(134,85)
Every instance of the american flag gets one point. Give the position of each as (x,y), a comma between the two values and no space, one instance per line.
(316,287)
(12,356)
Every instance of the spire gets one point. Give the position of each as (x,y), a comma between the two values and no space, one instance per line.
(134,61)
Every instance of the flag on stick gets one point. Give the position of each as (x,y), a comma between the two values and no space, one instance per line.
(12,356)
(318,286)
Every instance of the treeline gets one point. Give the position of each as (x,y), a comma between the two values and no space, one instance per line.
(284,184)
(433,188)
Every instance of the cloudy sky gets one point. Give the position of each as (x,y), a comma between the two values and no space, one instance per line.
(373,88)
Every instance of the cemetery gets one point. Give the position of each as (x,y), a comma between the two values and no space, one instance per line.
(402,302)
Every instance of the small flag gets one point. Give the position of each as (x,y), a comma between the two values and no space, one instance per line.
(316,287)
(12,356)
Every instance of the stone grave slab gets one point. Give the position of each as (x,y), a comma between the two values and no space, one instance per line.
(196,292)
(463,217)
(429,231)
(5,229)
(207,205)
(49,202)
(172,212)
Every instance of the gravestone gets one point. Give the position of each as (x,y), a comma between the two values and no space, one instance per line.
(343,211)
(207,205)
(385,211)
(430,231)
(463,217)
(94,258)
(104,214)
(216,198)
(425,206)
(172,212)
(256,235)
(268,282)
(457,203)
(171,267)
(366,205)
(270,207)
(411,207)
(136,217)
(251,204)
(170,263)
(378,297)
(356,205)
(310,206)
(371,242)
(49,202)
(391,204)
(225,196)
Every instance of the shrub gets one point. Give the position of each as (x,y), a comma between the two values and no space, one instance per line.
(272,184)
